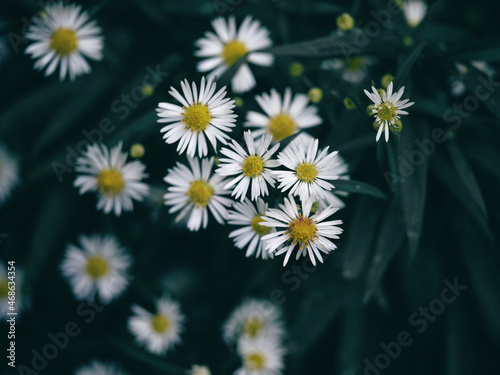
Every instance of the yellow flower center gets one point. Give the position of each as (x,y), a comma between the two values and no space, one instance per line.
(387,112)
(355,63)
(160,323)
(97,266)
(110,182)
(253,166)
(233,51)
(255,361)
(301,231)
(281,126)
(257,228)
(63,41)
(306,172)
(4,288)
(200,193)
(252,326)
(197,117)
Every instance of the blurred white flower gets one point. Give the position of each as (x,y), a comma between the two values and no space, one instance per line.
(97,268)
(353,71)
(301,229)
(115,181)
(282,117)
(194,189)
(249,215)
(99,368)
(253,319)
(227,46)
(260,357)
(158,331)
(415,11)
(63,35)
(252,167)
(199,370)
(9,174)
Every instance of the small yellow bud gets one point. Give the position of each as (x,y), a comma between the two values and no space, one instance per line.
(345,22)
(238,101)
(348,103)
(396,127)
(296,69)
(376,125)
(315,94)
(386,80)
(314,207)
(370,109)
(137,151)
(147,90)
(408,41)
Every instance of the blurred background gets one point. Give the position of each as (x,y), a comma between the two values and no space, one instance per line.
(438,225)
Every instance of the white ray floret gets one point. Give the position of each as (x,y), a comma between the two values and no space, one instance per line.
(158,331)
(310,233)
(204,115)
(387,108)
(220,51)
(99,368)
(415,11)
(194,191)
(252,166)
(116,182)
(283,117)
(98,268)
(64,36)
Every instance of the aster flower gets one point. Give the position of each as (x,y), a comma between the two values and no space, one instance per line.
(227,46)
(97,268)
(308,169)
(354,70)
(99,368)
(158,331)
(9,174)
(253,319)
(387,108)
(249,215)
(414,11)
(204,114)
(194,189)
(252,167)
(260,357)
(301,229)
(282,118)
(64,36)
(115,181)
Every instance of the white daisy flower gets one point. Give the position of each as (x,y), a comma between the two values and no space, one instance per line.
(98,268)
(99,368)
(158,331)
(283,117)
(301,229)
(15,285)
(203,115)
(249,215)
(254,318)
(194,189)
(309,169)
(115,181)
(415,11)
(387,108)
(64,36)
(260,357)
(227,46)
(199,370)
(252,167)
(9,174)
(354,70)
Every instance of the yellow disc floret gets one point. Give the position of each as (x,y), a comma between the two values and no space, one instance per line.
(255,361)
(252,326)
(200,193)
(196,117)
(387,112)
(233,51)
(301,231)
(306,172)
(257,228)
(160,323)
(97,266)
(253,166)
(281,126)
(110,181)
(63,41)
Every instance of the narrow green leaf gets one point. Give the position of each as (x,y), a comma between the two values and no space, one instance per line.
(351,186)
(405,67)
